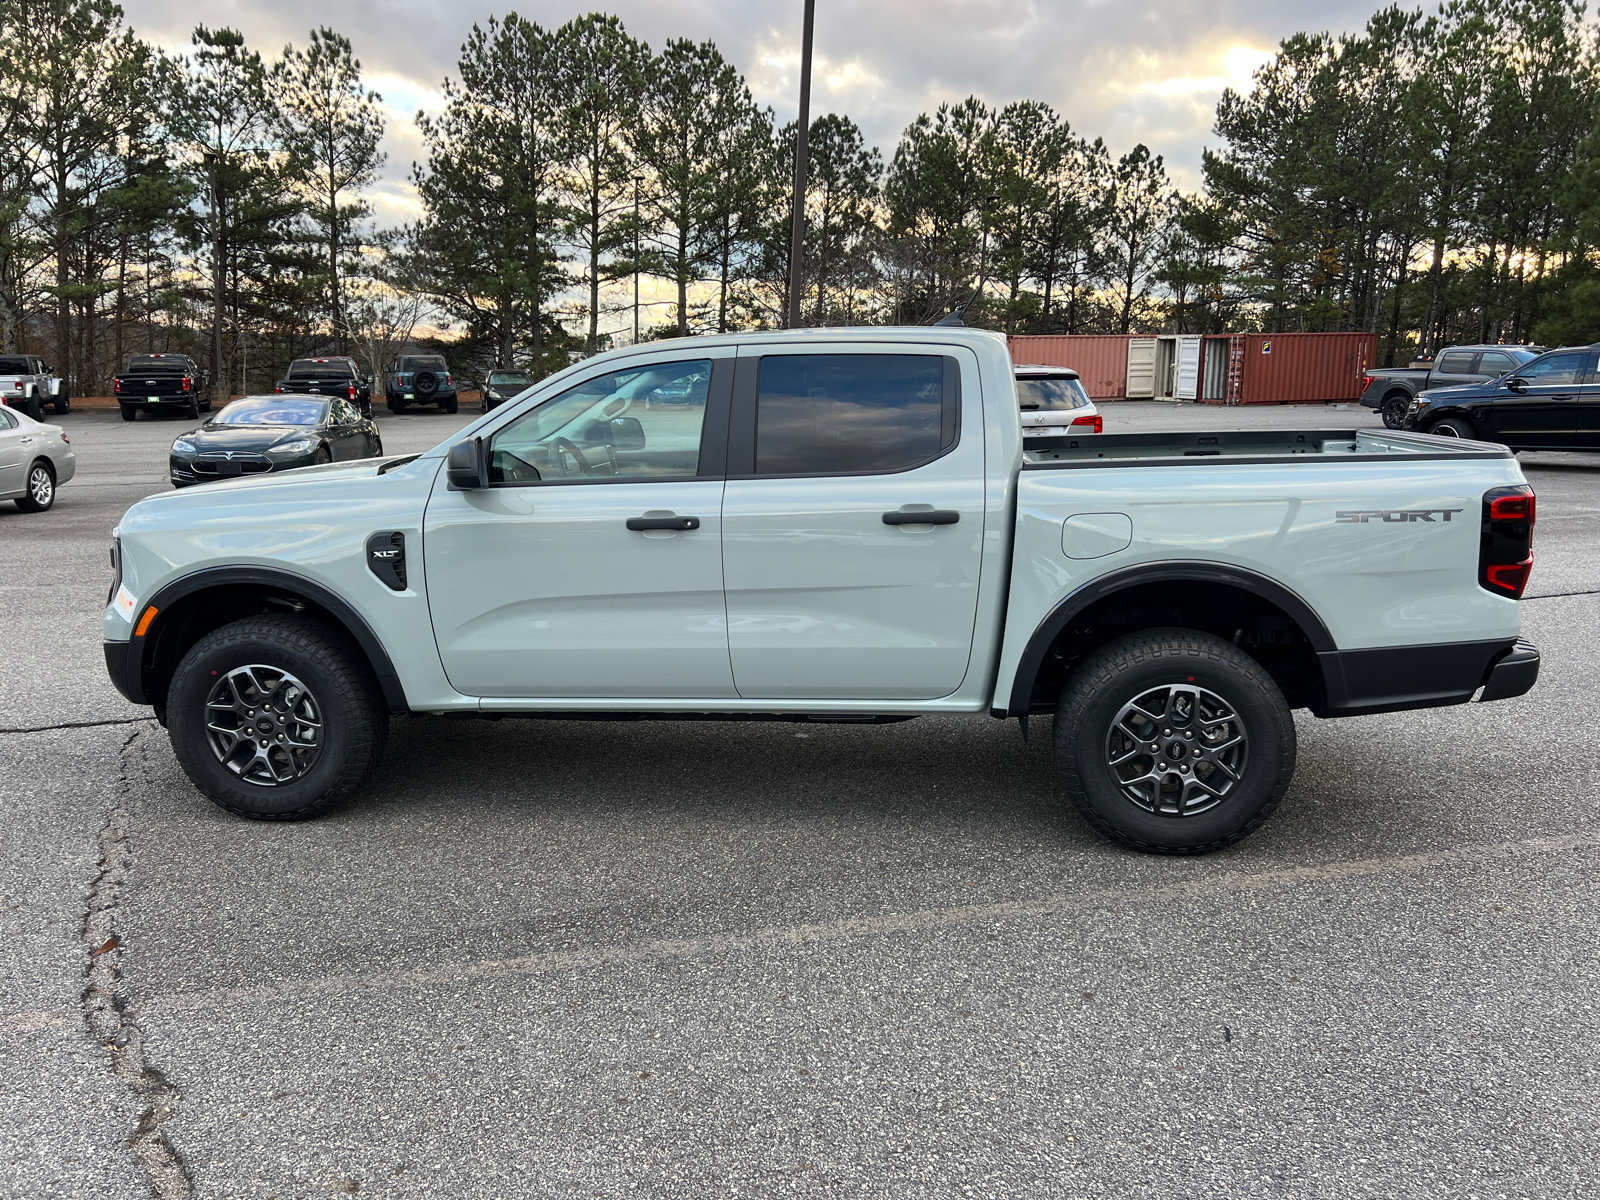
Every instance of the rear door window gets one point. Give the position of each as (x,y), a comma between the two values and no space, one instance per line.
(839,414)
(1495,362)
(1455,363)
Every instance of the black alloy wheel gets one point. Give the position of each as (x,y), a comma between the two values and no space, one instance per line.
(1453,427)
(1394,409)
(276,717)
(1173,741)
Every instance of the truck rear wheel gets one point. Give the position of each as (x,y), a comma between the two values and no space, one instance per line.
(1173,741)
(275,718)
(1394,409)
(130,412)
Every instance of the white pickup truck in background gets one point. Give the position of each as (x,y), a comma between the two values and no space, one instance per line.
(27,383)
(830,525)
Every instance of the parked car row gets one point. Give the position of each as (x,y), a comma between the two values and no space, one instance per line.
(1392,389)
(1548,401)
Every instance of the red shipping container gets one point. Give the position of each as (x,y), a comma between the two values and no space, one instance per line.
(1101,361)
(1304,368)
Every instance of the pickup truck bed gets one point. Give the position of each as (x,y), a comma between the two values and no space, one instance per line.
(833,525)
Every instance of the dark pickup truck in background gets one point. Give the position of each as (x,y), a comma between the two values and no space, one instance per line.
(1390,390)
(154,382)
(338,376)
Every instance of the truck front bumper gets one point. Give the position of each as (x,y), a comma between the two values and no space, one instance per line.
(125,665)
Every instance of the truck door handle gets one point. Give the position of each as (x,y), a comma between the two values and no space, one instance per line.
(937,516)
(640,524)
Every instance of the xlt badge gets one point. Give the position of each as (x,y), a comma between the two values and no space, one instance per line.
(1396,516)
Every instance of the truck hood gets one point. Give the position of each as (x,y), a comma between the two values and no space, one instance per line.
(301,489)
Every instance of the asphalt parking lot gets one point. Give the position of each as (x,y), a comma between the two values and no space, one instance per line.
(588,959)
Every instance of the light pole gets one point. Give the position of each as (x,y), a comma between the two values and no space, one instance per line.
(802,128)
(637,180)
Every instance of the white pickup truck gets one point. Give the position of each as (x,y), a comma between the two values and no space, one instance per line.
(27,383)
(839,526)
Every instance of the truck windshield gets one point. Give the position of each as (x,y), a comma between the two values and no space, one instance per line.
(272,411)
(310,368)
(14,366)
(157,364)
(1051,394)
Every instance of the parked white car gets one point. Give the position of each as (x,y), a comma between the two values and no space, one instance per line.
(35,459)
(28,383)
(1054,403)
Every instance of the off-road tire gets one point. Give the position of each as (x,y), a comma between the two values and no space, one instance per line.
(1394,408)
(41,481)
(449,406)
(397,406)
(63,403)
(130,412)
(192,412)
(355,720)
(34,407)
(1454,427)
(1131,666)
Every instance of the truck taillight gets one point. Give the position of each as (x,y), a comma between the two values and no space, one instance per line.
(186,383)
(447,381)
(352,390)
(1505,554)
(1366,382)
(117,384)
(1097,421)
(278,388)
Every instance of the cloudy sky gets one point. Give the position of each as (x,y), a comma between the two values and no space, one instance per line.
(1124,70)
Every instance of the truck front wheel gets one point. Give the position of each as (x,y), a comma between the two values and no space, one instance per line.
(1173,741)
(275,717)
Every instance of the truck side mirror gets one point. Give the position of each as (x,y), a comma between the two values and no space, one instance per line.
(1517,384)
(467,467)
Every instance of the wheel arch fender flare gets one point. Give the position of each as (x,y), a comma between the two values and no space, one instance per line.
(297,585)
(1103,587)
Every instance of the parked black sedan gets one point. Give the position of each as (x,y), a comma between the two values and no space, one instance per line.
(273,433)
(1549,403)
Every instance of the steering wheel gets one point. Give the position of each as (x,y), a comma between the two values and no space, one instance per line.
(564,452)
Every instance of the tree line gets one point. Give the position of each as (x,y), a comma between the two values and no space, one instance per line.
(1432,178)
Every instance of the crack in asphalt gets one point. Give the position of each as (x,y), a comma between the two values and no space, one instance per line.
(106,1012)
(76,725)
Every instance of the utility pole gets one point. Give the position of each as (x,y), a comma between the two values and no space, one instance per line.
(802,128)
(216,276)
(637,180)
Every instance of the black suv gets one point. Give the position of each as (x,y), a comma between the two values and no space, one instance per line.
(1549,403)
(419,379)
